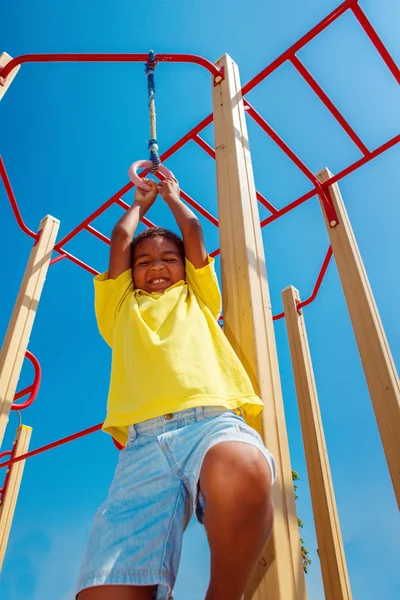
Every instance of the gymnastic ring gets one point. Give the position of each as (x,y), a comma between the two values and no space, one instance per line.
(146,164)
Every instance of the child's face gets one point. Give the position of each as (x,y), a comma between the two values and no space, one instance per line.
(157,265)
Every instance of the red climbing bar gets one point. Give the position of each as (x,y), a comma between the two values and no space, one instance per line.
(13,202)
(329,104)
(95,214)
(32,389)
(60,442)
(280,143)
(317,285)
(142,57)
(298,45)
(319,281)
(375,39)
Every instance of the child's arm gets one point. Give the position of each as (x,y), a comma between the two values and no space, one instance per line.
(188,223)
(122,234)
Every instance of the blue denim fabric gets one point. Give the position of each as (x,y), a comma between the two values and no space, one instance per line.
(137,533)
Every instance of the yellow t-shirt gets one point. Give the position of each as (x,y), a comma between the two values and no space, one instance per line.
(168,350)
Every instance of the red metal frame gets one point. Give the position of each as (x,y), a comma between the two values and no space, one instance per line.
(289,55)
(33,389)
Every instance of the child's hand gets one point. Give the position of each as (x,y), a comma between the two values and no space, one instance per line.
(146,199)
(169,189)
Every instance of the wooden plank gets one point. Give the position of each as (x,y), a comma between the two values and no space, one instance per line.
(21,322)
(379,368)
(4,60)
(9,501)
(330,545)
(249,328)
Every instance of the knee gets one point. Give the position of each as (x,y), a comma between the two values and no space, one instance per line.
(236,476)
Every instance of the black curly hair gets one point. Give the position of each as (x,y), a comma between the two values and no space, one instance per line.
(152,232)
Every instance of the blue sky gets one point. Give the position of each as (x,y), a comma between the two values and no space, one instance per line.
(69,133)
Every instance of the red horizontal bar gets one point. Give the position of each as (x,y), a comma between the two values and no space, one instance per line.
(13,202)
(124,205)
(57,259)
(329,104)
(298,45)
(60,442)
(288,207)
(266,203)
(97,234)
(95,214)
(176,58)
(280,143)
(203,144)
(375,39)
(211,152)
(363,161)
(75,260)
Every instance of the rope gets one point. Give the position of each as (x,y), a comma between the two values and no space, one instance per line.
(153,144)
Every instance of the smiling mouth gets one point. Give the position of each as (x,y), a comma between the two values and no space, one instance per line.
(158,281)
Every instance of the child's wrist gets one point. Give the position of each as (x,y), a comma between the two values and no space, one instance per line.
(171,198)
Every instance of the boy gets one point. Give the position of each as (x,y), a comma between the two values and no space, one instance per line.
(177,395)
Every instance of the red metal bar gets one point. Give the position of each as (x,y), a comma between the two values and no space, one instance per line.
(279,142)
(363,161)
(375,39)
(75,260)
(289,207)
(211,152)
(203,144)
(187,137)
(124,205)
(335,14)
(329,104)
(57,259)
(266,203)
(97,234)
(95,214)
(13,202)
(3,490)
(176,58)
(60,442)
(32,389)
(317,285)
(319,281)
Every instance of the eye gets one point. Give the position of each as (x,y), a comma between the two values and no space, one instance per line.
(170,260)
(143,263)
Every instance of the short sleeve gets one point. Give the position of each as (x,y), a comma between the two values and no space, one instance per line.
(109,295)
(204,284)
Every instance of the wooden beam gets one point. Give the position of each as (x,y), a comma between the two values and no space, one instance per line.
(249,328)
(380,371)
(21,322)
(330,545)
(4,85)
(10,497)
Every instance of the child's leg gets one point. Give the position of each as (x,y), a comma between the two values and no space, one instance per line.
(117,592)
(235,482)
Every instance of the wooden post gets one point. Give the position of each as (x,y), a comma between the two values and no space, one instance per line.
(10,497)
(377,361)
(21,322)
(4,85)
(249,328)
(330,544)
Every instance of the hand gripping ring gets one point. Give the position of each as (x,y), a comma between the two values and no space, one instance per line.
(145,164)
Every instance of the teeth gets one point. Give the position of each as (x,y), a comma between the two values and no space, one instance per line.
(158,281)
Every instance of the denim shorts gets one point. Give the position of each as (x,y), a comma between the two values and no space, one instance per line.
(136,538)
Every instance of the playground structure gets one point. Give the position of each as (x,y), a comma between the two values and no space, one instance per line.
(248,319)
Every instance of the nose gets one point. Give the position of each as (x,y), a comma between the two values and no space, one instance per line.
(157,265)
